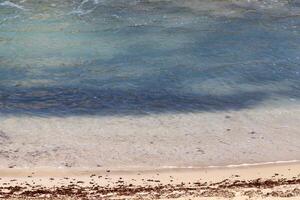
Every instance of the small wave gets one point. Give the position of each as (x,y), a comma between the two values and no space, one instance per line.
(234,165)
(7,19)
(81,11)
(11,4)
(258,164)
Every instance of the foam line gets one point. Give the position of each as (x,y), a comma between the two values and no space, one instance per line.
(10,4)
(233,165)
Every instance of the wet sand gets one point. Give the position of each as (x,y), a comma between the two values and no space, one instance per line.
(273,181)
(192,139)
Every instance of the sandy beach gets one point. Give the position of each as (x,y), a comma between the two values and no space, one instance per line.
(269,181)
(224,155)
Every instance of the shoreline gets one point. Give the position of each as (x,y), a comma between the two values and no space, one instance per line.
(223,155)
(151,168)
(260,181)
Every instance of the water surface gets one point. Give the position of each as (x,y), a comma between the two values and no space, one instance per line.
(109,57)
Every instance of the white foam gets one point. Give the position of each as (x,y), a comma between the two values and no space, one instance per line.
(81,11)
(11,4)
(234,165)
(7,19)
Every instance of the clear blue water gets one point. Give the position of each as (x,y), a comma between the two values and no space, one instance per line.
(138,57)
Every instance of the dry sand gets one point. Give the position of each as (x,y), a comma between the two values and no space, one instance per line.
(273,181)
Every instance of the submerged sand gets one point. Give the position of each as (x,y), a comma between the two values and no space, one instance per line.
(180,139)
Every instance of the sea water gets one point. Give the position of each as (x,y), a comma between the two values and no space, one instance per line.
(107,57)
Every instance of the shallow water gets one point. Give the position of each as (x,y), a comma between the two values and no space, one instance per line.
(149,56)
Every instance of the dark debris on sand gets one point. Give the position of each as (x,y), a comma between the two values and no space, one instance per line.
(225,188)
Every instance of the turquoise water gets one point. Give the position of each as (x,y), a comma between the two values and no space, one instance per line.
(138,57)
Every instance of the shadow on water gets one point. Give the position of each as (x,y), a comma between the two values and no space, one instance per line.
(68,101)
